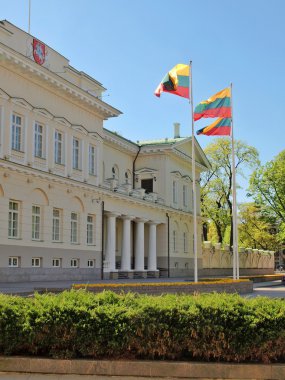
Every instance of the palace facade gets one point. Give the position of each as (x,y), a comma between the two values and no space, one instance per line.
(78,201)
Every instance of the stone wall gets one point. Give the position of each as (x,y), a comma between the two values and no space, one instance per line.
(13,368)
(218,259)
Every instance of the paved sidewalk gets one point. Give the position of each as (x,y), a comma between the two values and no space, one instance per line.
(26,288)
(23,288)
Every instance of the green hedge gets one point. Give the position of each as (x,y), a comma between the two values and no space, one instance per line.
(212,327)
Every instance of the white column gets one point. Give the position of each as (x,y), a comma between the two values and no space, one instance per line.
(139,245)
(152,261)
(126,243)
(110,256)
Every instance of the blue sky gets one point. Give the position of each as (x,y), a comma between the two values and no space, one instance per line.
(129,45)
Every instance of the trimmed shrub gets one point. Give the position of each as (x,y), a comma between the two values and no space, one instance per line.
(209,327)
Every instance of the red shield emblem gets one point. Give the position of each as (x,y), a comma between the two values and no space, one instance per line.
(39,51)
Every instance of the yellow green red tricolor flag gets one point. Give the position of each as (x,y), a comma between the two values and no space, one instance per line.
(220,127)
(176,81)
(218,105)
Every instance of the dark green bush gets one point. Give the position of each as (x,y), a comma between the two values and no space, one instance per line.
(216,327)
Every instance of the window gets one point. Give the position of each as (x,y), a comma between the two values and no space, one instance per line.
(185,243)
(13,224)
(56,223)
(91,263)
(17,125)
(58,145)
(90,229)
(56,263)
(174,240)
(147,184)
(74,228)
(36,222)
(174,191)
(74,263)
(185,195)
(75,154)
(38,143)
(13,262)
(115,172)
(92,160)
(36,262)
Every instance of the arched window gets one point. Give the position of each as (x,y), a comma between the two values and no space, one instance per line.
(128,176)
(115,172)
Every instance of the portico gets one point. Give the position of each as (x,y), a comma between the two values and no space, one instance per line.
(130,251)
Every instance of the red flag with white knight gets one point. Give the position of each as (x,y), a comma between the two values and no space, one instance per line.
(39,52)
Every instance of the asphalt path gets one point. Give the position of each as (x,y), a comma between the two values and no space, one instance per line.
(272,289)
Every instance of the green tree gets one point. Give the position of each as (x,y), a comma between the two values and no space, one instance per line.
(267,186)
(216,185)
(255,229)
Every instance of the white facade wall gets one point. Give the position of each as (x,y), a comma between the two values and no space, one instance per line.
(130,225)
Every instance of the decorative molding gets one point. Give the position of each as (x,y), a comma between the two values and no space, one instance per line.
(25,64)
(146,171)
(96,136)
(80,128)
(63,121)
(43,112)
(120,141)
(176,174)
(22,103)
(102,192)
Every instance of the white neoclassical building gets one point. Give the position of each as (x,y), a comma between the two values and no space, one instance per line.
(78,201)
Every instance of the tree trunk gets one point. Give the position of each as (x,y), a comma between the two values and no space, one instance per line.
(219,232)
(231,234)
(205,231)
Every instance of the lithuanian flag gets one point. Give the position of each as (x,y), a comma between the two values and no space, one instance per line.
(176,82)
(218,105)
(220,127)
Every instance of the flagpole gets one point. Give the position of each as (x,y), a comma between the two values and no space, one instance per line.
(234,206)
(193,179)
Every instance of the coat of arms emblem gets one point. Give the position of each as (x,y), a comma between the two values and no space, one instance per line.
(39,52)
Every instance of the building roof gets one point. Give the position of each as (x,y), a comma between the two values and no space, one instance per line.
(166,141)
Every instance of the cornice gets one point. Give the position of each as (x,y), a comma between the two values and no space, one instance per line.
(71,183)
(119,141)
(150,149)
(170,150)
(58,83)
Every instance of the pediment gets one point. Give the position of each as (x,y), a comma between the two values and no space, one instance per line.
(146,171)
(95,135)
(176,174)
(80,128)
(185,147)
(43,112)
(62,121)
(22,103)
